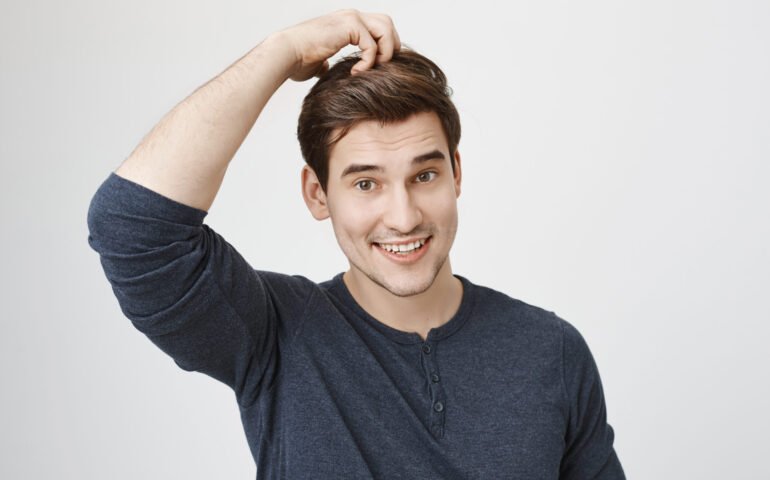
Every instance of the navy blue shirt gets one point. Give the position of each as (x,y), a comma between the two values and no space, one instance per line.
(502,390)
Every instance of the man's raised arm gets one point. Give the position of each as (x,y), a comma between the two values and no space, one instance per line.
(186,154)
(176,279)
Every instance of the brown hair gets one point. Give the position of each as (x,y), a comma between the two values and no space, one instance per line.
(389,92)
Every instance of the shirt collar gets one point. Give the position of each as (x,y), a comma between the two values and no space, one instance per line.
(340,290)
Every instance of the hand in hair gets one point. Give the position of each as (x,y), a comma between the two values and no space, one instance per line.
(186,155)
(315,41)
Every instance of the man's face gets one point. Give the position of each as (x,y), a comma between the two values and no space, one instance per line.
(392,199)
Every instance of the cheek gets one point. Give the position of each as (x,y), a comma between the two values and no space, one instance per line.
(352,219)
(442,207)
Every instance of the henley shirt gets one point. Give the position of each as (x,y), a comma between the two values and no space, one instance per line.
(503,390)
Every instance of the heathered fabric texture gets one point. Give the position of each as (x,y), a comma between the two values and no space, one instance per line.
(503,390)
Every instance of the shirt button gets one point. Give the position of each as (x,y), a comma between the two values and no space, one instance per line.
(426,348)
(435,378)
(438,406)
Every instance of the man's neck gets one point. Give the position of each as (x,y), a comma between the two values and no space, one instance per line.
(416,313)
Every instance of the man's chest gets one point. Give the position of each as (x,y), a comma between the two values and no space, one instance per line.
(432,410)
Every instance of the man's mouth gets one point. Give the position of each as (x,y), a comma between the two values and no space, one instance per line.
(403,248)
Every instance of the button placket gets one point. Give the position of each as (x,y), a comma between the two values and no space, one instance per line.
(437,397)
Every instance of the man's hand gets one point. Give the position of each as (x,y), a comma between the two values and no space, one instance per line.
(316,40)
(186,155)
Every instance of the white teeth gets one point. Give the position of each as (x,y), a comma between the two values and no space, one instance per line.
(403,248)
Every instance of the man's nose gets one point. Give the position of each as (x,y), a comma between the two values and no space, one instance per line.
(402,213)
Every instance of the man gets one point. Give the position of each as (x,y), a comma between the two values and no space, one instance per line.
(395,369)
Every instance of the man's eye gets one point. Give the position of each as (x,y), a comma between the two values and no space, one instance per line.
(425,177)
(364,185)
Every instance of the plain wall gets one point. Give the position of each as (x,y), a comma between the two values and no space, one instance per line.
(616,171)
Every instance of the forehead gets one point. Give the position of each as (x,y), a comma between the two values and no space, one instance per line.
(373,142)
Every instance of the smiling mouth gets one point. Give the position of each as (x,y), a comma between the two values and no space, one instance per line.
(403,248)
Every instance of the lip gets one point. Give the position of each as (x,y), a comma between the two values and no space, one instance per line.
(405,259)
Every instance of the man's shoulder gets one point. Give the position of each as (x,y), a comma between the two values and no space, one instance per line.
(285,281)
(294,288)
(508,311)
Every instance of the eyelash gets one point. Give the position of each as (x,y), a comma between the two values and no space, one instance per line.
(428,172)
(358,183)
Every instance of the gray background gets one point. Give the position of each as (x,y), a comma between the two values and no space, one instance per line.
(616,170)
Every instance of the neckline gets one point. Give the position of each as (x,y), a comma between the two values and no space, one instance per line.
(410,338)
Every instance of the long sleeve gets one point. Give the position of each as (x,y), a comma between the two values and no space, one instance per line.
(188,290)
(589,452)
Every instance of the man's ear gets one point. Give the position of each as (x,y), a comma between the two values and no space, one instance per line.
(314,196)
(458,172)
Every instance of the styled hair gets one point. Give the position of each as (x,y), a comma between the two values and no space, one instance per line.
(389,92)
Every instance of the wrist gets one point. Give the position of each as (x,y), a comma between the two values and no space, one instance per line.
(279,45)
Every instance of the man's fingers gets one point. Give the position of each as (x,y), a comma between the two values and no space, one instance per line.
(384,32)
(377,41)
(397,41)
(315,41)
(385,48)
(322,69)
(368,51)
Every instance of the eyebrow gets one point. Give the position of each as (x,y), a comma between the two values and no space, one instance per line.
(358,167)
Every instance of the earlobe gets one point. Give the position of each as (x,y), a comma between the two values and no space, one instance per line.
(313,194)
(458,173)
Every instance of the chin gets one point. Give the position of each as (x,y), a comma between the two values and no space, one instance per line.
(407,289)
(406,284)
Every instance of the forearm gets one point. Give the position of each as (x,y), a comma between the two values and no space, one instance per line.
(186,154)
